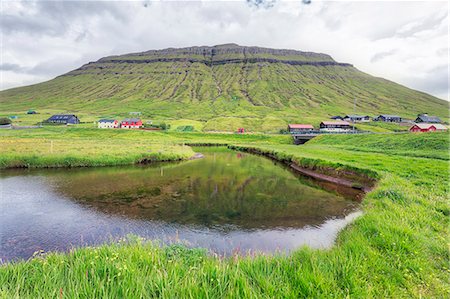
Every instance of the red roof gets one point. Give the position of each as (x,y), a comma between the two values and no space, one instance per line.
(330,123)
(300,126)
(428,126)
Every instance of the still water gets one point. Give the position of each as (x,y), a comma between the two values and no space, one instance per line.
(226,202)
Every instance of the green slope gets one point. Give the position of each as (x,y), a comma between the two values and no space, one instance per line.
(224,87)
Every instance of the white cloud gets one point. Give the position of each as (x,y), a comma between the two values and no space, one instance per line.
(406,42)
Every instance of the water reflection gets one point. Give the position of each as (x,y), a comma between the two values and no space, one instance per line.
(224,202)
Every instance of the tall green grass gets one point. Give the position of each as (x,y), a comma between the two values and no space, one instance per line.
(397,249)
(75,147)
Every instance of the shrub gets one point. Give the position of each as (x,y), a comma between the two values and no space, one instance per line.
(164,126)
(5,121)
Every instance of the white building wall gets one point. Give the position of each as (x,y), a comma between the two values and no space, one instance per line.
(334,130)
(106,125)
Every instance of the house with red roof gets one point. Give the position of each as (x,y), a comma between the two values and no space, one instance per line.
(300,128)
(422,127)
(131,123)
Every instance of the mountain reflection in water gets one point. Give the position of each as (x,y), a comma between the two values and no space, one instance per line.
(225,201)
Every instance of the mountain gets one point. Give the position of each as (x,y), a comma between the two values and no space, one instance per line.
(223,87)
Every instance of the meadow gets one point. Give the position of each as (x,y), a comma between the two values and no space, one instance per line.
(61,146)
(397,249)
(225,124)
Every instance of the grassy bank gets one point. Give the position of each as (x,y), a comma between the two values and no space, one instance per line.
(416,145)
(398,248)
(73,147)
(59,151)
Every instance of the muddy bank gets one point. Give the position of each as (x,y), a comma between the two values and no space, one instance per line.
(206,144)
(197,156)
(346,178)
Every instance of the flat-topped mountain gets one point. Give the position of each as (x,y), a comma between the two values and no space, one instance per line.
(224,87)
(223,54)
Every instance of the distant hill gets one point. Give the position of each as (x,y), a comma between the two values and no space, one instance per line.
(223,87)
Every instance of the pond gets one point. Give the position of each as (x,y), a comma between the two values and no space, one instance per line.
(226,202)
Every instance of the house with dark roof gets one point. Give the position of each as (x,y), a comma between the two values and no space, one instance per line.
(108,123)
(337,117)
(425,118)
(335,126)
(388,118)
(131,123)
(64,119)
(299,128)
(357,118)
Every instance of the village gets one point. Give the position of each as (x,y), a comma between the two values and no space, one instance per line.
(345,124)
(337,124)
(300,132)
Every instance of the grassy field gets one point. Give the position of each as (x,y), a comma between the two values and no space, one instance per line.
(397,249)
(415,145)
(269,124)
(61,146)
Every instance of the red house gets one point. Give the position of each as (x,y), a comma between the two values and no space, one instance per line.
(421,127)
(131,123)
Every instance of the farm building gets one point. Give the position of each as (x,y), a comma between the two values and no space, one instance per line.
(357,118)
(64,119)
(131,123)
(337,117)
(108,124)
(299,128)
(31,112)
(388,118)
(425,118)
(335,126)
(422,127)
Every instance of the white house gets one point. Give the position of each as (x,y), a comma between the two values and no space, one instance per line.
(357,118)
(108,124)
(335,126)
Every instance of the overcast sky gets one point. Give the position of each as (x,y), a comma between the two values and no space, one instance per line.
(407,42)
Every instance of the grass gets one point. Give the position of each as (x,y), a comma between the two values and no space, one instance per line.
(61,146)
(53,150)
(397,249)
(415,145)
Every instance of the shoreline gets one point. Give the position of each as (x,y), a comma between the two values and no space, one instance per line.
(363,183)
(332,175)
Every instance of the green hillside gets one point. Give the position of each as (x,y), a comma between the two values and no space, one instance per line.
(221,88)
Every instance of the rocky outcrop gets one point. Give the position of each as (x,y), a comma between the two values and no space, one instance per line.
(216,55)
(226,49)
(224,61)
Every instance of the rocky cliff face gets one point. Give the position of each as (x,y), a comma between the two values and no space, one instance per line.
(216,52)
(216,55)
